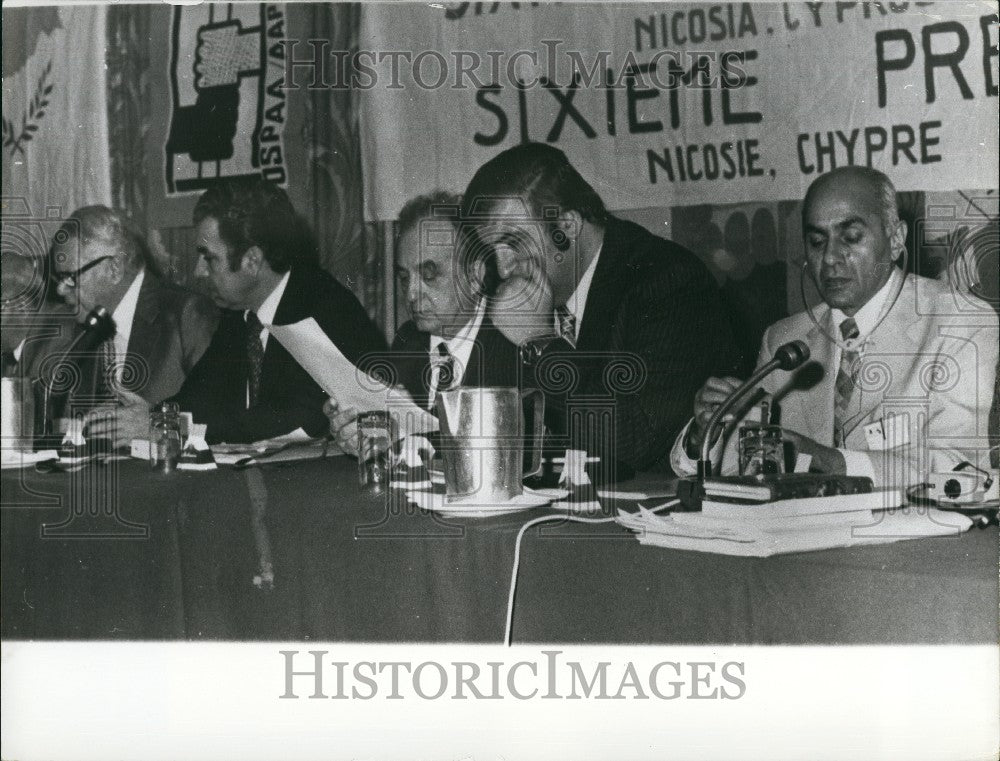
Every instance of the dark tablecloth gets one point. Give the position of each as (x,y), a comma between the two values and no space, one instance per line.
(348,566)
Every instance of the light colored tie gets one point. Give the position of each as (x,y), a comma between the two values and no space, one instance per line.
(846,381)
(566,321)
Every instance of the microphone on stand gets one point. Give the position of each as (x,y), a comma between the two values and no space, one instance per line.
(97,327)
(789,356)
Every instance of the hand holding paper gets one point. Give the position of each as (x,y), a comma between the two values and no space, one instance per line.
(349,387)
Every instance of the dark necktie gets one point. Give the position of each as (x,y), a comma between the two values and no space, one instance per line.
(255,353)
(106,369)
(447,375)
(844,386)
(9,364)
(566,321)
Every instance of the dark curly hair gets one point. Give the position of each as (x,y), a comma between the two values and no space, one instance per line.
(252,212)
(539,173)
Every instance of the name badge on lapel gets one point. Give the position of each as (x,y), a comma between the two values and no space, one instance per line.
(891,432)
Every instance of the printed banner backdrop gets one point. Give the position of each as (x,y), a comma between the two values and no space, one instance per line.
(55,123)
(678,104)
(216,74)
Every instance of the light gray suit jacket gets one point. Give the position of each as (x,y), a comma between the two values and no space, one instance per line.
(170,330)
(931,360)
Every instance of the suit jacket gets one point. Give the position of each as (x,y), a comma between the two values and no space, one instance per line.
(493,361)
(215,391)
(653,329)
(170,331)
(928,360)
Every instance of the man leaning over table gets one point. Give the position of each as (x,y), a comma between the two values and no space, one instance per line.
(160,330)
(619,327)
(889,351)
(254,253)
(450,340)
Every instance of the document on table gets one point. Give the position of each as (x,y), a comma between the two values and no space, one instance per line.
(694,531)
(345,383)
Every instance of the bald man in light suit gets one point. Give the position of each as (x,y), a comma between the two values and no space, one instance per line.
(900,381)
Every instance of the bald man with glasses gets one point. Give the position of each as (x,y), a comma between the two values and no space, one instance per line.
(160,330)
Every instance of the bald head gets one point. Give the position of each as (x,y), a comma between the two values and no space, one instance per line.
(852,235)
(874,186)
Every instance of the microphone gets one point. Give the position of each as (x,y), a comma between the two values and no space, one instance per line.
(97,327)
(789,356)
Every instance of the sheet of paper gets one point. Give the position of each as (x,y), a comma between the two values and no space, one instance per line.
(687,532)
(345,383)
(298,435)
(13,458)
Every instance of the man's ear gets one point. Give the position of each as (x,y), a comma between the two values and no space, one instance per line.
(477,274)
(570,223)
(117,269)
(898,240)
(252,260)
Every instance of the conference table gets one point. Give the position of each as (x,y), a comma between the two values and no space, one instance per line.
(296,551)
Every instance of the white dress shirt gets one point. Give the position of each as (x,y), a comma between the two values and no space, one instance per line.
(577,301)
(269,308)
(123,316)
(266,314)
(867,319)
(459,347)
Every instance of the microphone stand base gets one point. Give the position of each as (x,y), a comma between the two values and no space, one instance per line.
(690,492)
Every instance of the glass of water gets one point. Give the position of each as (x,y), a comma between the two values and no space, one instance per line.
(762,450)
(375,439)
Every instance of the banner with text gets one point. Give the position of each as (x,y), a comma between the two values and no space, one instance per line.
(672,104)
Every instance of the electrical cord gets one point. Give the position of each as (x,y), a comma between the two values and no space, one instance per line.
(508,628)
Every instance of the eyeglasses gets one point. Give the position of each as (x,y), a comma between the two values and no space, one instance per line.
(68,279)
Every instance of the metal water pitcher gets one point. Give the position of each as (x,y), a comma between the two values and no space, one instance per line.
(17,410)
(482,442)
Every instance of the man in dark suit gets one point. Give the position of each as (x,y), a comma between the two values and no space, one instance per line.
(617,326)
(450,340)
(253,253)
(160,330)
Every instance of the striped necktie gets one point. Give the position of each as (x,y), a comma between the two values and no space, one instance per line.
(255,353)
(566,321)
(846,378)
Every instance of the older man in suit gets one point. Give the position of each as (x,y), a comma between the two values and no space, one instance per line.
(618,327)
(254,253)
(160,330)
(450,340)
(900,380)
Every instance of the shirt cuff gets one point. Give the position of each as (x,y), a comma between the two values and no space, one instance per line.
(683,465)
(857,464)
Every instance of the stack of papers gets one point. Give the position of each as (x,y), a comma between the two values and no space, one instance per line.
(767,536)
(297,445)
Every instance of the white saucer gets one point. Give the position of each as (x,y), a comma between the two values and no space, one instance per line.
(529,500)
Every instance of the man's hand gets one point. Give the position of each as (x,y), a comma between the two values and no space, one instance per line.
(824,459)
(343,426)
(523,308)
(127,420)
(706,402)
